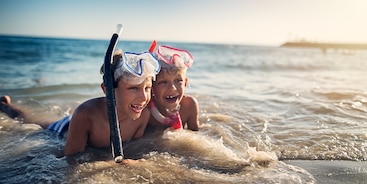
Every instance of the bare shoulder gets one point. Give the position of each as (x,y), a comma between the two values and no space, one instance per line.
(90,107)
(190,112)
(189,106)
(189,101)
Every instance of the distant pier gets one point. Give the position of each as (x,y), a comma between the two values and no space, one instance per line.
(325,46)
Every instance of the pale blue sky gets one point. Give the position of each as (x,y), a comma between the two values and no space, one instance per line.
(260,22)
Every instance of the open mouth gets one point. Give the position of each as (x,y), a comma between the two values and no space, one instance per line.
(136,108)
(171,99)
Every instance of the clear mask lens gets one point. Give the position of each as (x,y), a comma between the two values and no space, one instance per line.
(136,67)
(170,55)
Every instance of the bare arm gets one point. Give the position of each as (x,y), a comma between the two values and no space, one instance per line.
(192,110)
(78,132)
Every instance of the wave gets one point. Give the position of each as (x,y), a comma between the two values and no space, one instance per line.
(56,93)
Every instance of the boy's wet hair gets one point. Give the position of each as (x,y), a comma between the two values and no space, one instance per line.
(117,58)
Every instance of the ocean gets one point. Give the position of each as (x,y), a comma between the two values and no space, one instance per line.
(267,114)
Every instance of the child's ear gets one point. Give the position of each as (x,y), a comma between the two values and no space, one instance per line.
(186,81)
(103,88)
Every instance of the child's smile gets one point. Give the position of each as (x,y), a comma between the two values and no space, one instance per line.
(136,108)
(171,98)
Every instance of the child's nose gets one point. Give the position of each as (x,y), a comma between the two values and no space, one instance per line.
(144,95)
(172,87)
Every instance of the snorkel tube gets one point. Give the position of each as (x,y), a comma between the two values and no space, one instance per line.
(152,46)
(108,80)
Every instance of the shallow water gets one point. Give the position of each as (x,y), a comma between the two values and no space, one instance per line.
(258,107)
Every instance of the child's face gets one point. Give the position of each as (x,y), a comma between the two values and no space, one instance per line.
(169,87)
(132,99)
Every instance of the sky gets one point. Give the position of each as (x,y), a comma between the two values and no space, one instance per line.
(249,22)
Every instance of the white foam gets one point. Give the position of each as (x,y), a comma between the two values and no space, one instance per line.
(213,151)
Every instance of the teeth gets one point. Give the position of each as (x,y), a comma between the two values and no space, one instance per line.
(170,97)
(138,107)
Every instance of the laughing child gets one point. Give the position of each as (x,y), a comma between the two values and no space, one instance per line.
(169,106)
(89,125)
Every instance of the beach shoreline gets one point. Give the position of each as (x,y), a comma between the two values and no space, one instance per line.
(337,171)
(305,44)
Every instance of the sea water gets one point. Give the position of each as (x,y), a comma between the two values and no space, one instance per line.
(259,106)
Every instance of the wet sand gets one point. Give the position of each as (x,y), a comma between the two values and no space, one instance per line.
(339,171)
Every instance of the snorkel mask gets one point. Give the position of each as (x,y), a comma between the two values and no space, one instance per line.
(134,68)
(174,58)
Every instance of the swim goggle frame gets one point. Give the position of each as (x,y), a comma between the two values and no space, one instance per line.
(167,54)
(140,65)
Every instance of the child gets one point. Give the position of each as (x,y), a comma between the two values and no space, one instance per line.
(169,106)
(89,123)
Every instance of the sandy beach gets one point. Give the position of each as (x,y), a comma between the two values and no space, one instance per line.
(338,171)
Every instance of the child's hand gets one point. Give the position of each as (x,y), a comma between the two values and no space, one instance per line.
(132,162)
